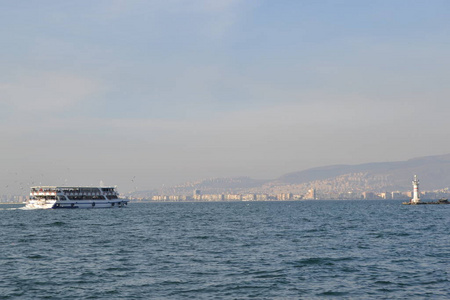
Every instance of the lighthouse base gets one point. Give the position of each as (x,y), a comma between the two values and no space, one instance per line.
(440,201)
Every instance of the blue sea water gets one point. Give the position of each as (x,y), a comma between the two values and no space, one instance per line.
(238,250)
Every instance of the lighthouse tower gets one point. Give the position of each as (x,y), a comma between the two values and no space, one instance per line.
(416,196)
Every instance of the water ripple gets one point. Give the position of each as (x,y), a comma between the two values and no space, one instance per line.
(267,250)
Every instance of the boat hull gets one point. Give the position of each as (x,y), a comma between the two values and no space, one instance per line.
(76,204)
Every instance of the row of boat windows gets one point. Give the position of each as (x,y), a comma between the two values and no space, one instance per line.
(87,190)
(74,190)
(35,190)
(45,198)
(97,197)
(62,198)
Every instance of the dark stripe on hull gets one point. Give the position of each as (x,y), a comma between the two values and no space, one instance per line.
(88,205)
(64,207)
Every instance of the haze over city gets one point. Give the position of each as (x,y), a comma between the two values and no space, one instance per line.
(142,94)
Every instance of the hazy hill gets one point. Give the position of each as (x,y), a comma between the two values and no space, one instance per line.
(433,172)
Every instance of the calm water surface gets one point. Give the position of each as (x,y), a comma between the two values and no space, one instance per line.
(239,250)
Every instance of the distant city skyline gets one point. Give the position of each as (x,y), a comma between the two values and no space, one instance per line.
(142,94)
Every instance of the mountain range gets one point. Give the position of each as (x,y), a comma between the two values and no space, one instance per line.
(433,172)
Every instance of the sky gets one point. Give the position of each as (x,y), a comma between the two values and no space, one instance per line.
(144,94)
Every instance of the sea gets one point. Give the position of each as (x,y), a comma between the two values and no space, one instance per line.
(227,250)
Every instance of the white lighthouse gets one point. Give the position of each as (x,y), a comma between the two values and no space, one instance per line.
(416,196)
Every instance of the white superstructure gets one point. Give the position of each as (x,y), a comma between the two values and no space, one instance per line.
(416,195)
(74,197)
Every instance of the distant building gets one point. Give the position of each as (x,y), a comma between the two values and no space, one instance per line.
(396,195)
(262,197)
(249,197)
(311,195)
(211,197)
(385,195)
(284,196)
(197,195)
(233,197)
(160,198)
(369,196)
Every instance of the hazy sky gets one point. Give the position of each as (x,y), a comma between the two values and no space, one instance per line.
(168,91)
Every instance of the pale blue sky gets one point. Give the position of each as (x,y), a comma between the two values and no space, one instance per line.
(178,90)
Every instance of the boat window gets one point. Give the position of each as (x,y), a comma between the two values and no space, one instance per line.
(47,197)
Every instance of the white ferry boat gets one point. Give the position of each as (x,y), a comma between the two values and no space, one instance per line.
(74,197)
